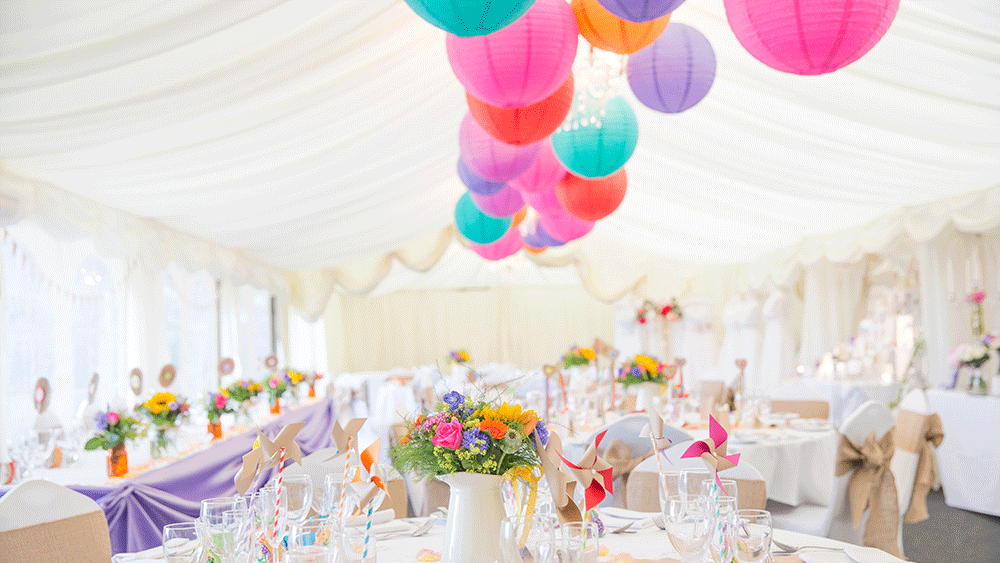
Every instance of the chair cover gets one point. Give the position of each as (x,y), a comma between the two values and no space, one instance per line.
(42,521)
(803,408)
(731,343)
(918,433)
(777,350)
(697,340)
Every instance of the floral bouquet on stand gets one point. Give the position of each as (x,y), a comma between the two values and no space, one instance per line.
(216,405)
(971,356)
(164,411)
(276,386)
(113,430)
(472,445)
(648,378)
(243,392)
(578,357)
(975,300)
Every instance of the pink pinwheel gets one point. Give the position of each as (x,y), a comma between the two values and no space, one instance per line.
(593,473)
(713,450)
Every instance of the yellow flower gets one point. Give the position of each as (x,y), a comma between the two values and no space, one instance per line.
(647,363)
(295,376)
(158,402)
(503,413)
(464,355)
(587,353)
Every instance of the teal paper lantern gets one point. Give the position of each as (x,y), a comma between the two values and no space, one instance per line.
(476,225)
(470,18)
(596,142)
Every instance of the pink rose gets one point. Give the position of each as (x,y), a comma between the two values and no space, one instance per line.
(220,401)
(448,435)
(273,383)
(113,418)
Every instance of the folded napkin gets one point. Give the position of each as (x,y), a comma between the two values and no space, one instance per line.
(378,518)
(617,517)
(625,513)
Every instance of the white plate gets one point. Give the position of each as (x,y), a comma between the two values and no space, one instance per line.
(743,439)
(870,555)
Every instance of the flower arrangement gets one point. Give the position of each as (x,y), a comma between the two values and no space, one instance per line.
(670,311)
(293,377)
(164,409)
(470,436)
(642,369)
(458,356)
(578,357)
(972,355)
(975,299)
(113,429)
(217,404)
(276,386)
(244,390)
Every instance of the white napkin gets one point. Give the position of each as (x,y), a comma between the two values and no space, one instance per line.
(617,517)
(378,518)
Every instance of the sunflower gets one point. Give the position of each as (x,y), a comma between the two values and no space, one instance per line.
(647,363)
(587,354)
(504,413)
(158,402)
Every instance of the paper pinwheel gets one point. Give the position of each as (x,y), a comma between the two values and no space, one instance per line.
(267,454)
(346,437)
(654,431)
(368,479)
(561,483)
(593,473)
(713,450)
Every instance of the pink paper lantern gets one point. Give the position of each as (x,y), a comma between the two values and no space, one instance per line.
(564,226)
(507,245)
(544,202)
(522,63)
(543,174)
(489,158)
(504,203)
(809,36)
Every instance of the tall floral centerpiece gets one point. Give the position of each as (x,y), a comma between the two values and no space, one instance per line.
(164,411)
(974,355)
(460,364)
(645,376)
(216,405)
(276,386)
(975,301)
(471,445)
(113,430)
(578,357)
(294,379)
(243,393)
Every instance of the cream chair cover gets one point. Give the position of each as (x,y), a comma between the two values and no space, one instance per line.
(918,433)
(642,488)
(804,408)
(42,521)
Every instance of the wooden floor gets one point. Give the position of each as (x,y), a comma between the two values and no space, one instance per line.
(952,535)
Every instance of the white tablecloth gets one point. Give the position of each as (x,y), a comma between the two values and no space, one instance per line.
(968,457)
(846,395)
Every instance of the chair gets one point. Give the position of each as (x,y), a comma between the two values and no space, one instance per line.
(643,492)
(42,521)
(913,461)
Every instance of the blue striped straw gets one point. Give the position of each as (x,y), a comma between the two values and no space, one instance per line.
(368,531)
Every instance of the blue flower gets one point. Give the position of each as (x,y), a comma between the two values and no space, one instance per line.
(454,399)
(542,432)
(102,421)
(476,440)
(636,371)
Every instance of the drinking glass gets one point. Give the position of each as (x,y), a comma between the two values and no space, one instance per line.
(670,486)
(333,487)
(721,545)
(298,491)
(583,543)
(522,537)
(690,481)
(313,542)
(180,543)
(224,527)
(753,535)
(728,488)
(352,547)
(689,523)
(266,522)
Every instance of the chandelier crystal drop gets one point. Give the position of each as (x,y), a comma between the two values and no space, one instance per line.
(600,77)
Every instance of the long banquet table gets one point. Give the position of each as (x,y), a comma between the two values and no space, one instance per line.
(138,508)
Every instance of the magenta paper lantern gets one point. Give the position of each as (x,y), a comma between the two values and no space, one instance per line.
(675,72)
(489,158)
(508,244)
(544,202)
(544,173)
(522,63)
(564,226)
(809,36)
(504,203)
(640,10)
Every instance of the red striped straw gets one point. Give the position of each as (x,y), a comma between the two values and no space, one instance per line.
(277,495)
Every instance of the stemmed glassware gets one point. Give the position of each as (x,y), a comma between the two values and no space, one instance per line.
(689,522)
(333,491)
(721,545)
(690,481)
(266,520)
(530,539)
(752,536)
(224,527)
(180,543)
(298,491)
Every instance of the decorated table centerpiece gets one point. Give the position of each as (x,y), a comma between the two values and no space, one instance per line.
(216,405)
(647,376)
(276,386)
(972,356)
(164,411)
(113,429)
(294,379)
(471,445)
(243,392)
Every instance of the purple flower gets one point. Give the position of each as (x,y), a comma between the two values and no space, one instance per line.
(476,440)
(542,432)
(102,421)
(636,371)
(454,399)
(173,405)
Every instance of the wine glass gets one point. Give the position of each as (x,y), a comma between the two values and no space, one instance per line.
(582,543)
(521,537)
(266,522)
(355,546)
(690,481)
(313,542)
(721,545)
(689,523)
(728,488)
(298,491)
(224,527)
(752,535)
(180,543)
(670,486)
(333,491)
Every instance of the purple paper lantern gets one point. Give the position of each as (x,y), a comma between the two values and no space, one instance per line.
(640,10)
(809,36)
(538,238)
(504,203)
(564,226)
(475,183)
(506,246)
(543,174)
(489,158)
(674,72)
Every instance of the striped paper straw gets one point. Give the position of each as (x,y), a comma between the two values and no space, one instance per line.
(368,531)
(277,495)
(343,487)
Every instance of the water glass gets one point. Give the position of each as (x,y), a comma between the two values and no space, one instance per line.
(721,546)
(670,486)
(224,527)
(266,523)
(533,539)
(180,543)
(354,547)
(583,543)
(728,488)
(689,523)
(313,542)
(690,481)
(753,535)
(333,491)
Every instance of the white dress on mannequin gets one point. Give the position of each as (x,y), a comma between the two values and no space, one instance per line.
(749,337)
(731,344)
(697,344)
(777,358)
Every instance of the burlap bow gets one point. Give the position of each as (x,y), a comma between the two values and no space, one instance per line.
(267,453)
(593,473)
(872,486)
(654,431)
(346,437)
(933,433)
(623,462)
(713,450)
(561,483)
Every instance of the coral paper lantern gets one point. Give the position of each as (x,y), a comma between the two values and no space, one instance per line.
(809,36)
(504,203)
(503,247)
(522,63)
(592,199)
(640,10)
(524,125)
(543,174)
(604,30)
(476,225)
(675,72)
(475,183)
(564,226)
(598,150)
(489,158)
(467,18)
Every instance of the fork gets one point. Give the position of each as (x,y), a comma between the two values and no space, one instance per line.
(622,529)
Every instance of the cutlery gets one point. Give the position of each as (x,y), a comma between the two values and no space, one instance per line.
(785,549)
(622,529)
(421,530)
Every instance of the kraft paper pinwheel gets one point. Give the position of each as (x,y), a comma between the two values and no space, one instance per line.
(345,438)
(267,453)
(594,474)
(713,450)
(367,483)
(654,431)
(561,483)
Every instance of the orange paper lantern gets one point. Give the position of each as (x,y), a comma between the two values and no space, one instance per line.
(524,125)
(592,198)
(534,250)
(604,30)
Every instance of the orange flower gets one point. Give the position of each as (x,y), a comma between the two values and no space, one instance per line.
(529,419)
(495,428)
(404,439)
